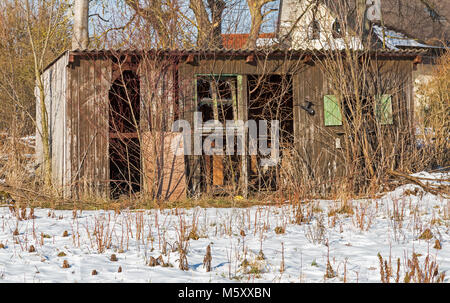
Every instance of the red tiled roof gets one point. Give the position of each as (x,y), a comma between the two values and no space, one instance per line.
(237,41)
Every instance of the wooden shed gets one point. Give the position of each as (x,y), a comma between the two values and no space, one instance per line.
(111,111)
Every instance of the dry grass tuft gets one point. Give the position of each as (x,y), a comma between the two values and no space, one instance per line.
(426,235)
(437,244)
(280,230)
(428,273)
(65,264)
(207,259)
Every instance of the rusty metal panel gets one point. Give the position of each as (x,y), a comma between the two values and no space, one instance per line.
(163,155)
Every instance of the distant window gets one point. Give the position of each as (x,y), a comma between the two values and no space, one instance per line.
(337,29)
(314,30)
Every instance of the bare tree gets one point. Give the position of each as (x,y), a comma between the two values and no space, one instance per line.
(167,19)
(209,30)
(40,44)
(80,38)
(255,7)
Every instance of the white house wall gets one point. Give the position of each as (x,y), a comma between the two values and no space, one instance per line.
(291,11)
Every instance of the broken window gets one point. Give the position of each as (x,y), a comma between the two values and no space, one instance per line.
(217,97)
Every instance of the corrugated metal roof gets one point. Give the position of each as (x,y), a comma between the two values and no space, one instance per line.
(395,40)
(226,51)
(214,52)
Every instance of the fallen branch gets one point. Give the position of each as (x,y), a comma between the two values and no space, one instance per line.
(435,190)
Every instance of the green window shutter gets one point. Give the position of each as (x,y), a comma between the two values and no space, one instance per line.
(332,111)
(383,109)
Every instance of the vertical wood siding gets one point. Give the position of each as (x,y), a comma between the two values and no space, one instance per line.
(88,104)
(55,82)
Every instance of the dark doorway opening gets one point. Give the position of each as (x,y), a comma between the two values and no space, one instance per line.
(124,145)
(270,98)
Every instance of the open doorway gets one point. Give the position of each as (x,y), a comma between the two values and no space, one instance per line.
(124,145)
(270,98)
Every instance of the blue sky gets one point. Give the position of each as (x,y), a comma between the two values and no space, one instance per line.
(236,17)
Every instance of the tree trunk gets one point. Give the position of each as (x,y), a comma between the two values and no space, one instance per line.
(216,7)
(362,21)
(204,26)
(255,8)
(47,170)
(158,18)
(80,38)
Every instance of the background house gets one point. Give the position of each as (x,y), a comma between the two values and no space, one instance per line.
(384,24)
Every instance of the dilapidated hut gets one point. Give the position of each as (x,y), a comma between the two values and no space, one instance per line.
(111,113)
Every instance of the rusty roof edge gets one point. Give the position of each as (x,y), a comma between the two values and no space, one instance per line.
(244,52)
(237,52)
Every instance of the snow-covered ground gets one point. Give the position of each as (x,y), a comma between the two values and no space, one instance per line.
(306,239)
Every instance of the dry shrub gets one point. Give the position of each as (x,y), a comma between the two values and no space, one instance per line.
(437,244)
(316,232)
(427,273)
(363,217)
(426,235)
(434,114)
(65,264)
(385,269)
(414,272)
(345,208)
(301,175)
(207,259)
(301,213)
(330,273)
(17,163)
(280,230)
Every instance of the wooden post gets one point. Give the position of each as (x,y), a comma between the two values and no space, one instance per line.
(243,116)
